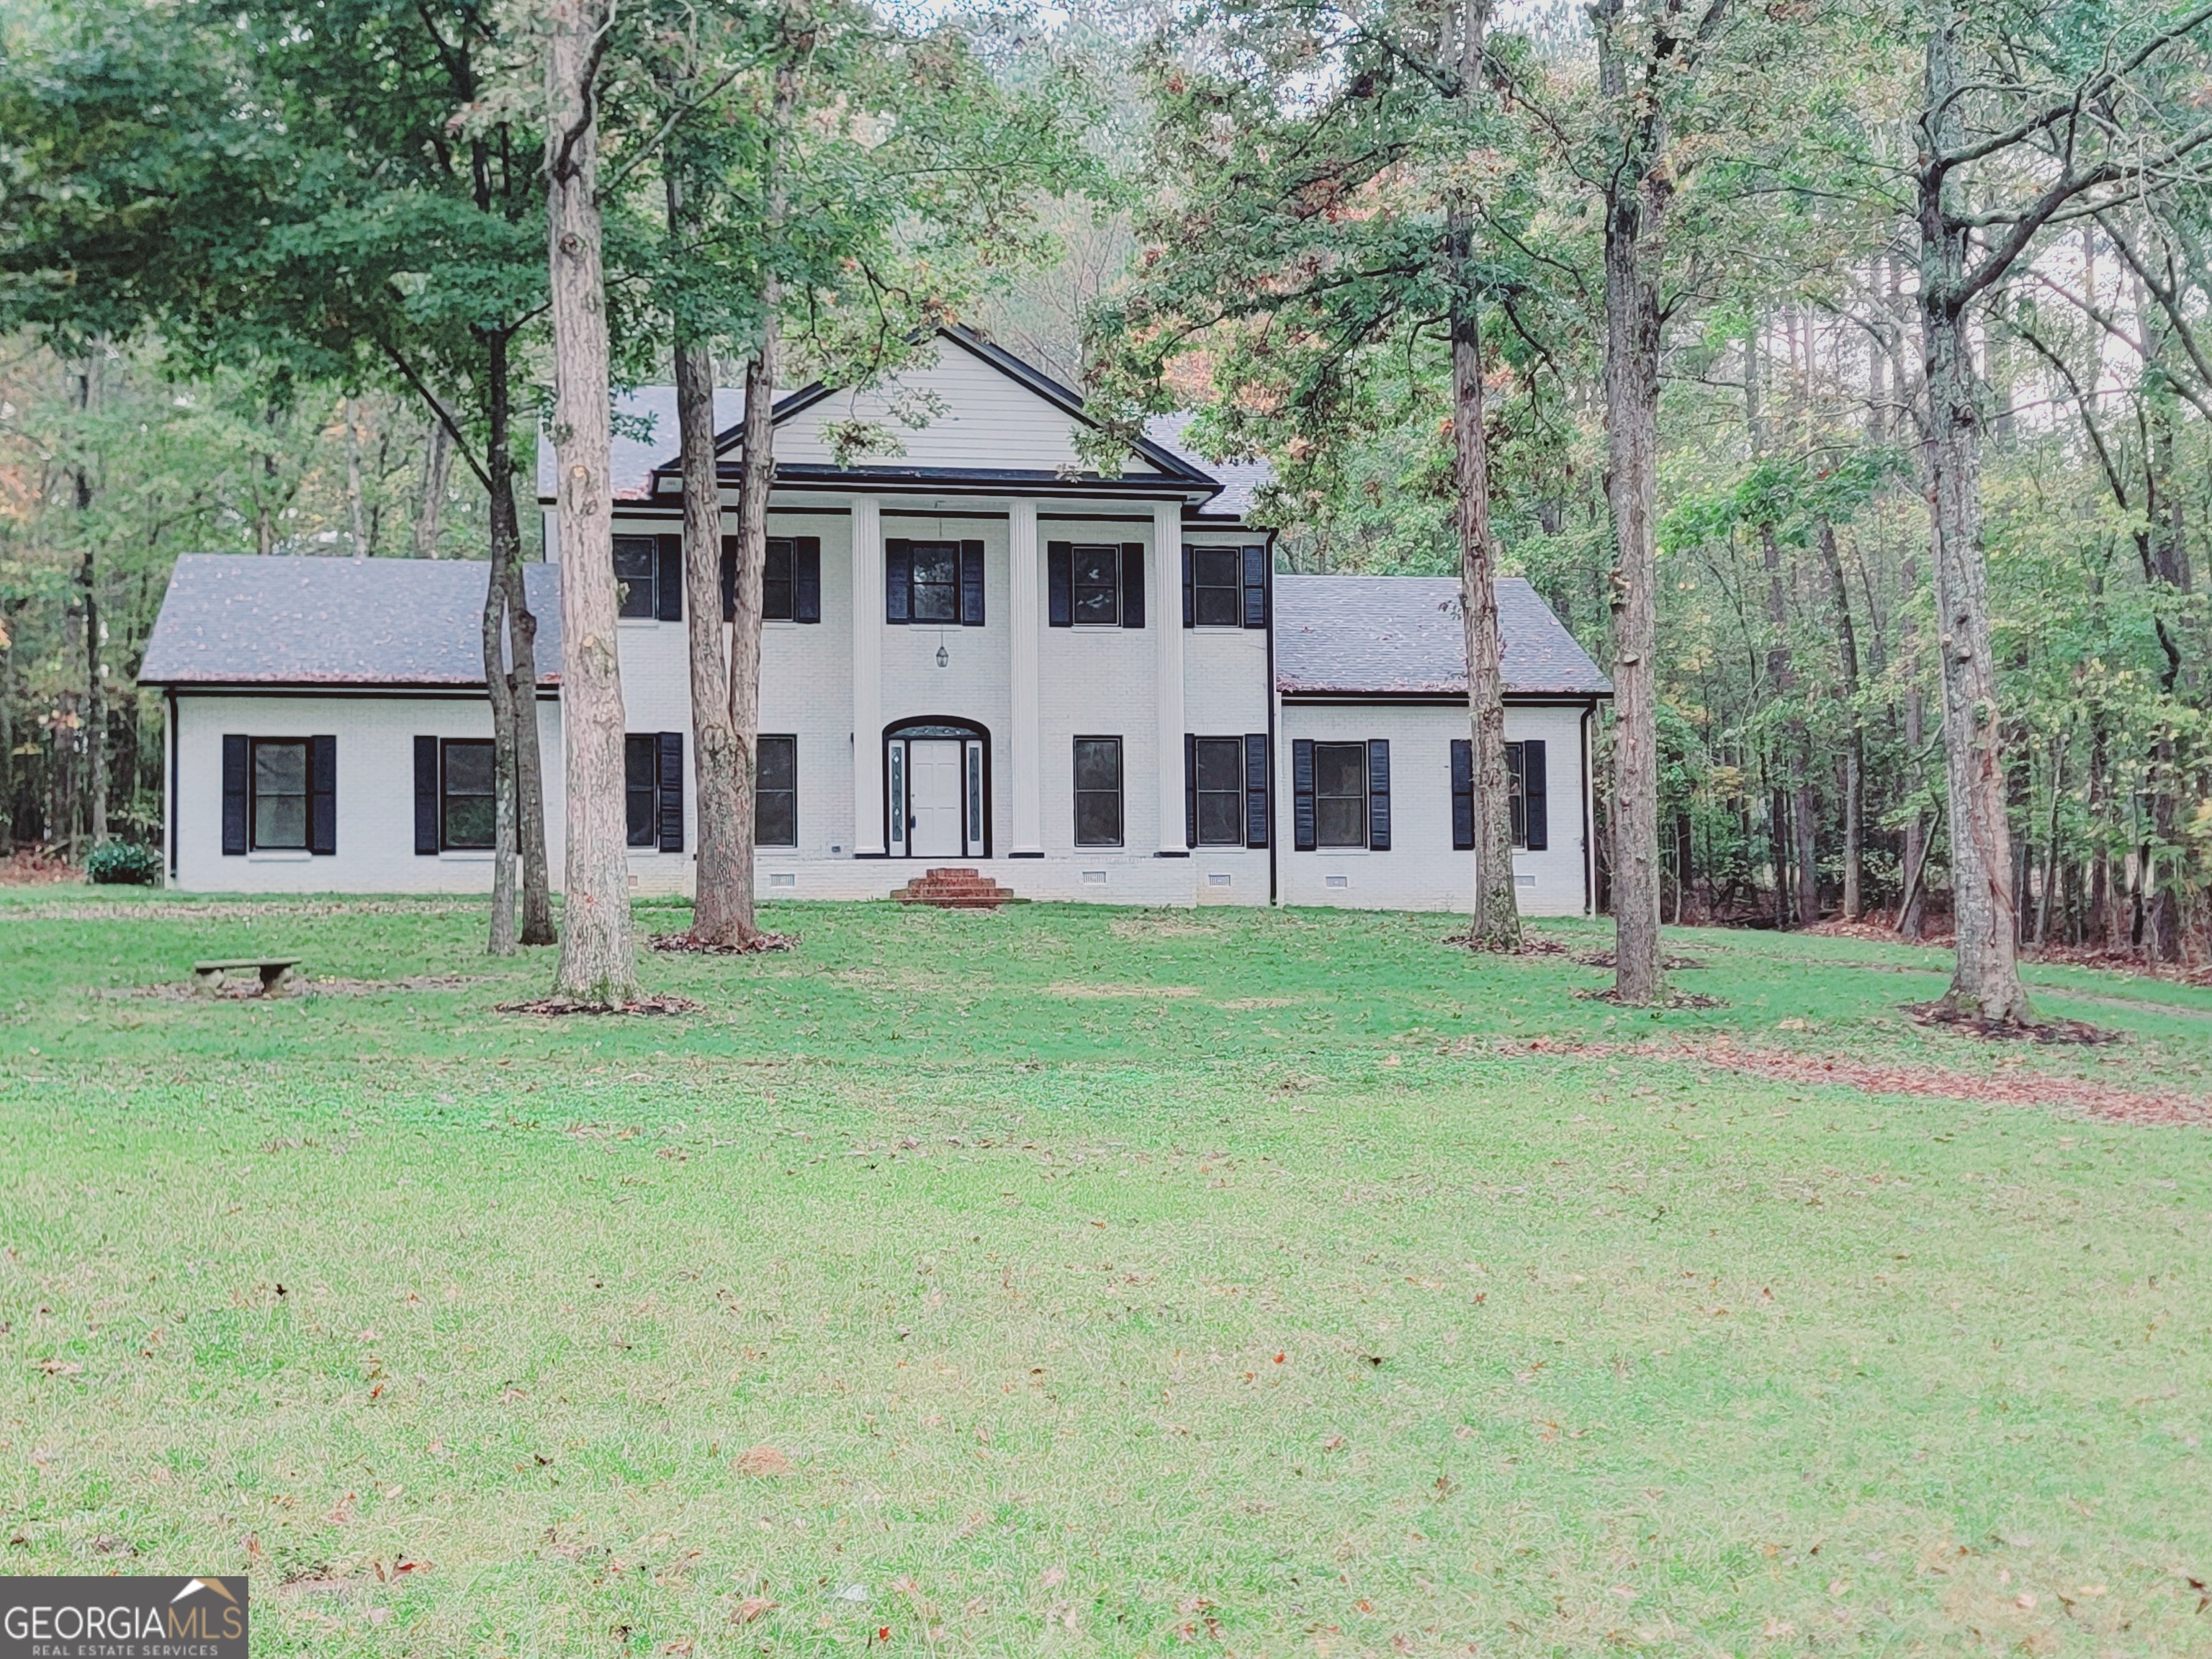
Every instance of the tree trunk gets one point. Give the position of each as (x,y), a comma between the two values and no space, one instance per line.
(1635,225)
(437,471)
(95,709)
(1912,906)
(599,949)
(1847,655)
(506,525)
(501,691)
(356,498)
(722,907)
(1495,925)
(1985,982)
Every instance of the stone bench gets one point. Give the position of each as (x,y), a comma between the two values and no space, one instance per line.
(276,974)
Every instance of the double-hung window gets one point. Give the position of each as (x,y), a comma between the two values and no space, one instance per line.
(1216,587)
(1217,790)
(775,792)
(467,794)
(1340,794)
(1098,577)
(280,794)
(1099,792)
(637,560)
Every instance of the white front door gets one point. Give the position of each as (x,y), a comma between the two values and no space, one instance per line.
(934,787)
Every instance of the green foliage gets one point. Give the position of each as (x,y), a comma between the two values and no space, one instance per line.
(123,864)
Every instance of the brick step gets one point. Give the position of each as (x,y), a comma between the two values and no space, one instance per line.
(956,888)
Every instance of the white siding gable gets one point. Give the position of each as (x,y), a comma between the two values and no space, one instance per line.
(978,417)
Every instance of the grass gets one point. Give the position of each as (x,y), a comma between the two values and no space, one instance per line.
(1111,1282)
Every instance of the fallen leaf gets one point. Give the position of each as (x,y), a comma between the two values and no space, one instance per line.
(751,1609)
(761,1463)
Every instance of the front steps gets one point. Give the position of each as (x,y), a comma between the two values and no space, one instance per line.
(956,890)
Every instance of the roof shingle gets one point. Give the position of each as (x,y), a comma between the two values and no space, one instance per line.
(237,619)
(1403,636)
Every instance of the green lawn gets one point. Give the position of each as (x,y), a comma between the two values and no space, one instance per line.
(1110,1281)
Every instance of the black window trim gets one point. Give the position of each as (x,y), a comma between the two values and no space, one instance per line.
(1240,794)
(1359,795)
(1075,552)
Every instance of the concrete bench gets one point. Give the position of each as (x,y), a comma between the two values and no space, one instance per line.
(276,974)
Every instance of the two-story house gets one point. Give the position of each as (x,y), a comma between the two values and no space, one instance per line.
(977,650)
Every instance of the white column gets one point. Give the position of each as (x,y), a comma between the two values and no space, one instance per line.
(1027,605)
(867,678)
(1167,619)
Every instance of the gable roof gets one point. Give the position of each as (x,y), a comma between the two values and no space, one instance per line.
(644,462)
(238,619)
(1404,636)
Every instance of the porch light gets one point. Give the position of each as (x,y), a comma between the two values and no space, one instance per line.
(944,658)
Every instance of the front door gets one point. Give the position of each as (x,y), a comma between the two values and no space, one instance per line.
(934,788)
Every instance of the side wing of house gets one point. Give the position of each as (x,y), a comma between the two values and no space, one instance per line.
(1375,744)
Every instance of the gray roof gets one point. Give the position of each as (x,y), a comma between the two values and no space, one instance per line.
(235,619)
(645,437)
(1403,636)
(1238,479)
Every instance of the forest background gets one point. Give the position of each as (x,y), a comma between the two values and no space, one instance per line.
(1801,774)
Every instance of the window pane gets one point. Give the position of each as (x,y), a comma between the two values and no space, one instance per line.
(1214,567)
(1220,819)
(469,821)
(634,562)
(1098,819)
(1340,768)
(280,768)
(936,582)
(1342,821)
(281,821)
(1098,764)
(1218,607)
(775,818)
(775,763)
(469,768)
(1220,762)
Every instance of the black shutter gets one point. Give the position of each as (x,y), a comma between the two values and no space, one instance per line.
(806,579)
(971,584)
(1060,584)
(323,795)
(898,580)
(668,580)
(1189,790)
(729,579)
(1378,795)
(670,779)
(1462,782)
(1256,789)
(1255,587)
(1536,809)
(426,797)
(1132,583)
(1304,837)
(234,795)
(1189,591)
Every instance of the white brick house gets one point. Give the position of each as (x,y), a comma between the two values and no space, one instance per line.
(978,652)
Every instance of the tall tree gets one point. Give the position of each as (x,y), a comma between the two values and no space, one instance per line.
(598,950)
(1988,105)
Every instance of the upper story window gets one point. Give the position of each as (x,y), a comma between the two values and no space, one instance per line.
(933,583)
(790,579)
(637,561)
(1094,584)
(1217,587)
